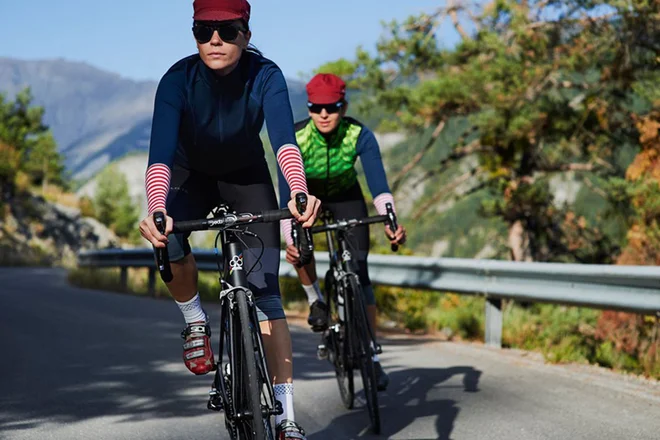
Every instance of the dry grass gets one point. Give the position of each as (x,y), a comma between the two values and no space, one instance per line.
(54,194)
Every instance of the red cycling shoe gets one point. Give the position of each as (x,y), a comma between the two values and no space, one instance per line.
(197,353)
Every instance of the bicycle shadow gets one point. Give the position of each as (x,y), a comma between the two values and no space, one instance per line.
(412,394)
(305,343)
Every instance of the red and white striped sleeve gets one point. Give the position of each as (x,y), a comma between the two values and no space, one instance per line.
(285,226)
(293,170)
(157,184)
(381,201)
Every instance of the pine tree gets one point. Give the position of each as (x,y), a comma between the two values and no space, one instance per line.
(26,144)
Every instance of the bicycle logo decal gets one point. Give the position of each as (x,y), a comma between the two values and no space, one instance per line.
(346,256)
(236,263)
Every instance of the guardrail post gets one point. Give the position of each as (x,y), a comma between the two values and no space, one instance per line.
(152,281)
(124,279)
(494,322)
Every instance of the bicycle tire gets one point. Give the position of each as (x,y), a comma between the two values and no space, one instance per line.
(223,379)
(342,364)
(364,355)
(255,429)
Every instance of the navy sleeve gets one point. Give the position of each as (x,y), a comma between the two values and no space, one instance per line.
(168,107)
(277,110)
(372,163)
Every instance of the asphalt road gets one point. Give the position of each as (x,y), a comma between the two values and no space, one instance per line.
(81,364)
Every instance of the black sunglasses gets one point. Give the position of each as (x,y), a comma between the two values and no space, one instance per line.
(228,32)
(330,108)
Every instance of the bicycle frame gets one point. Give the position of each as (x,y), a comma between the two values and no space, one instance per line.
(251,397)
(343,265)
(352,339)
(234,282)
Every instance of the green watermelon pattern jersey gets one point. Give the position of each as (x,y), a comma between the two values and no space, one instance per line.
(330,161)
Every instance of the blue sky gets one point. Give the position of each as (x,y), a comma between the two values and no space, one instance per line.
(140,39)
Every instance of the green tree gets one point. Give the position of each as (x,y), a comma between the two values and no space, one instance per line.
(44,164)
(113,205)
(547,89)
(26,143)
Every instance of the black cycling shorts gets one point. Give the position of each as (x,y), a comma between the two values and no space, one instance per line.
(193,195)
(351,204)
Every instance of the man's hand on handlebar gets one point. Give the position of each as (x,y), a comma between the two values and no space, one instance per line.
(292,255)
(150,232)
(396,238)
(313,206)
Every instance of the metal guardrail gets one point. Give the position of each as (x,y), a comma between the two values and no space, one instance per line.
(626,288)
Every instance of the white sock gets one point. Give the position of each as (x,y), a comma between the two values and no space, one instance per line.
(375,356)
(192,310)
(284,393)
(313,292)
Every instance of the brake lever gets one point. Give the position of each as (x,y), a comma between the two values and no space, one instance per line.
(305,243)
(162,255)
(392,223)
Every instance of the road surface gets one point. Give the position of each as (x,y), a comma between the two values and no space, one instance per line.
(82,364)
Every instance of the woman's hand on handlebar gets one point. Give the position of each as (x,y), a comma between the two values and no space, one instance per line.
(150,232)
(313,207)
(396,238)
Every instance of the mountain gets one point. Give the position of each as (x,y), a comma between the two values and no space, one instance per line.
(96,116)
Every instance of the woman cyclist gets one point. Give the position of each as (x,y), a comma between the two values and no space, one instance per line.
(205,150)
(330,144)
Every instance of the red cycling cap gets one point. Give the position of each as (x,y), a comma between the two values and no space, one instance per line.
(326,88)
(221,10)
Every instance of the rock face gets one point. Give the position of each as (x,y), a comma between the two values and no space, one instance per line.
(35,231)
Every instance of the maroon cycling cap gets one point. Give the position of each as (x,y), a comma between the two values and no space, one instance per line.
(221,10)
(326,88)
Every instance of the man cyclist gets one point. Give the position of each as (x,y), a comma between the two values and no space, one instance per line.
(330,144)
(206,150)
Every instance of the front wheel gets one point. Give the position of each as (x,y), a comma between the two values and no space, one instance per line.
(364,355)
(343,367)
(252,425)
(339,344)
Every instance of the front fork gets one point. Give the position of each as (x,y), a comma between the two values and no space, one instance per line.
(235,279)
(350,268)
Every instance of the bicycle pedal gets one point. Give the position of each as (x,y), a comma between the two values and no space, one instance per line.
(322,352)
(215,401)
(214,406)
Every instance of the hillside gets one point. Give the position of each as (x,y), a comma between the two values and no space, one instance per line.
(35,231)
(96,116)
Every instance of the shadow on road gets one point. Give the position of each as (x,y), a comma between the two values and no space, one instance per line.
(84,354)
(407,399)
(133,378)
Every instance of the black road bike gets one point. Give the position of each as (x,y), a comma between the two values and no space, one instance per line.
(349,342)
(242,386)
